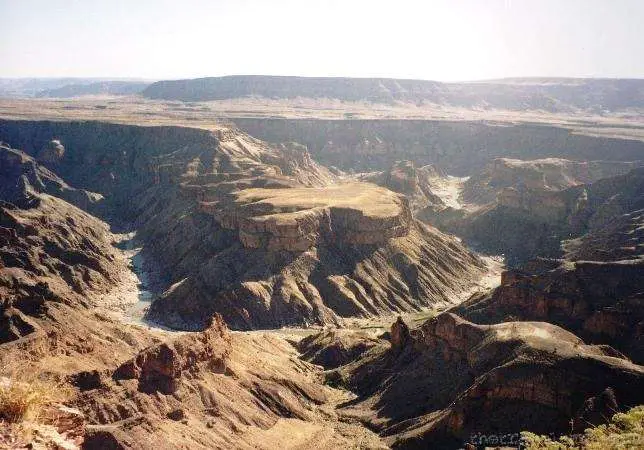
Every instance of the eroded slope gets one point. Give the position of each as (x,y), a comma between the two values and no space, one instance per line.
(450,380)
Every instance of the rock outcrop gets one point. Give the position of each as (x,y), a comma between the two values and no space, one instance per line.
(599,301)
(454,380)
(400,336)
(50,254)
(58,274)
(247,235)
(216,389)
(259,233)
(595,288)
(296,219)
(550,174)
(261,288)
(414,182)
(525,224)
(158,368)
(52,152)
(22,177)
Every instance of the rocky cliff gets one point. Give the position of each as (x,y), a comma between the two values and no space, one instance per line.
(60,322)
(458,148)
(595,288)
(526,223)
(599,301)
(53,257)
(23,176)
(122,161)
(59,278)
(451,381)
(260,236)
(259,233)
(296,219)
(261,287)
(215,389)
(539,175)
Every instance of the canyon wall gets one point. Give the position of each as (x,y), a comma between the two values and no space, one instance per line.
(458,147)
(261,234)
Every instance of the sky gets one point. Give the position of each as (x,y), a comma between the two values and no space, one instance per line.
(445,40)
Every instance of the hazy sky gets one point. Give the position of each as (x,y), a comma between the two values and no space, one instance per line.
(431,39)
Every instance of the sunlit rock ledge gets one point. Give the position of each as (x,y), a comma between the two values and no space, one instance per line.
(296,219)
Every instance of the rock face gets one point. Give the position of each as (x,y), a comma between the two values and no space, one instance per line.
(137,388)
(459,148)
(599,301)
(215,389)
(50,254)
(595,289)
(525,224)
(621,238)
(265,251)
(23,177)
(400,336)
(259,236)
(259,233)
(296,219)
(58,273)
(52,152)
(158,368)
(454,380)
(550,174)
(259,288)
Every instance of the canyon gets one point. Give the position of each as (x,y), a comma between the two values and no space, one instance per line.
(317,283)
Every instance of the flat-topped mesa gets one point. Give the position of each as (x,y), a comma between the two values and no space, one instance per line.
(532,177)
(296,219)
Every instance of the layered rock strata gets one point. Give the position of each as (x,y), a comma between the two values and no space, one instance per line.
(298,218)
(415,183)
(259,233)
(549,174)
(215,389)
(451,380)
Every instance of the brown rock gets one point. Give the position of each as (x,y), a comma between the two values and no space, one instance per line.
(158,368)
(400,336)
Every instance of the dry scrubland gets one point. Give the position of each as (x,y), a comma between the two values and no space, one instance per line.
(212,114)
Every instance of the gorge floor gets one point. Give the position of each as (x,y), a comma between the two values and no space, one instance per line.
(130,300)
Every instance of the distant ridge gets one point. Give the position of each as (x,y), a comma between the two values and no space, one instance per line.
(69,87)
(548,94)
(99,88)
(351,89)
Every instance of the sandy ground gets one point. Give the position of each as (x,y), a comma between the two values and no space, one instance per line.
(449,189)
(129,300)
(125,294)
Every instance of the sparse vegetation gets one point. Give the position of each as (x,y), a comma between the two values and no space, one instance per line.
(625,431)
(21,401)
